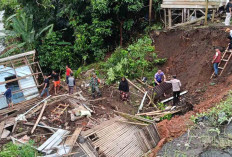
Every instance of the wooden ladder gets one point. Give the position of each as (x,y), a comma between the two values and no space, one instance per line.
(224,61)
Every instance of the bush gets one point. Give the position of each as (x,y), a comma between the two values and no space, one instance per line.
(132,62)
(12,150)
(55,54)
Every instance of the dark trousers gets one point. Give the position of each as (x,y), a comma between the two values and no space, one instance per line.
(176,96)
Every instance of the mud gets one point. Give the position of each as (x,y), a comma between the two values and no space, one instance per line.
(189,55)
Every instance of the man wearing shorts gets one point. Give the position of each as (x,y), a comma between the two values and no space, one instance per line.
(8,95)
(56,81)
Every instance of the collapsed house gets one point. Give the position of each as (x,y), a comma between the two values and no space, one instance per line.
(20,72)
(119,137)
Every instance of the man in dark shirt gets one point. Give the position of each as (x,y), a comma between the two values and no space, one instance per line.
(46,86)
(56,81)
(8,95)
(228,12)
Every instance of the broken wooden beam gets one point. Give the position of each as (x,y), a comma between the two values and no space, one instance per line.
(141,105)
(187,23)
(72,139)
(134,123)
(47,127)
(151,101)
(133,117)
(99,99)
(17,135)
(38,119)
(166,100)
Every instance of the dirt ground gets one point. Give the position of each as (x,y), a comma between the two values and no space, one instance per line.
(189,55)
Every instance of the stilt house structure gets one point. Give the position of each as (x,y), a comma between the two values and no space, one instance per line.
(187,9)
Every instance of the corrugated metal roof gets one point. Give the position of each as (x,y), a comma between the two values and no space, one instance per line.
(27,82)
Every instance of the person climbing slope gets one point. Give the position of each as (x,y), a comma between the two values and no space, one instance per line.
(216,60)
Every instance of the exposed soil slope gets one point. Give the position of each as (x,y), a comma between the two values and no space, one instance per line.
(189,55)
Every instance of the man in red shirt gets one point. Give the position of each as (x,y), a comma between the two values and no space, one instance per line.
(216,60)
(68,72)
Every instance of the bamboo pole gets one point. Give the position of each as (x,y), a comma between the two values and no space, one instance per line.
(206,11)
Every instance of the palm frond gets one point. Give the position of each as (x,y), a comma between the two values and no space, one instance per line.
(13,49)
(49,27)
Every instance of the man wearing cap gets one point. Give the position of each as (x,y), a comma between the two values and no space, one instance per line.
(176,84)
(228,12)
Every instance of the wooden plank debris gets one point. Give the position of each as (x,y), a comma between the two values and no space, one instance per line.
(166,100)
(1,127)
(72,139)
(123,121)
(5,133)
(188,23)
(42,126)
(17,135)
(38,119)
(54,140)
(141,105)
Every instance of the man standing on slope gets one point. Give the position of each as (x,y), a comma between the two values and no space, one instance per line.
(176,84)
(228,13)
(159,77)
(68,72)
(230,38)
(56,81)
(216,60)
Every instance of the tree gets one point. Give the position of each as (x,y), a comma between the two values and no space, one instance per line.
(22,29)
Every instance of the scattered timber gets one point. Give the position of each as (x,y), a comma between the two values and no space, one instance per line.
(38,119)
(187,23)
(166,100)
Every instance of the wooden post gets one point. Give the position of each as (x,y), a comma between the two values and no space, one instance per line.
(169,17)
(213,15)
(29,65)
(165,18)
(12,64)
(206,11)
(150,10)
(184,14)
(188,17)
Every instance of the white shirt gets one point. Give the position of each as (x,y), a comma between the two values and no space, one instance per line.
(175,84)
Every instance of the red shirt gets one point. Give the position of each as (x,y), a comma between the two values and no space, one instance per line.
(218,57)
(68,71)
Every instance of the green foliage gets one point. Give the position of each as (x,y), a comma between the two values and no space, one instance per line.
(167,116)
(131,62)
(77,72)
(161,106)
(219,114)
(12,150)
(55,54)
(21,27)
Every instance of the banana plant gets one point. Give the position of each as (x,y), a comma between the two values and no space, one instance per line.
(22,29)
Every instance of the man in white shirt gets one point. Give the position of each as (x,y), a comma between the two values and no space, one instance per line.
(176,84)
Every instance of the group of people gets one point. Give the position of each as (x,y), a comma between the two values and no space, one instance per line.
(70,81)
(159,77)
